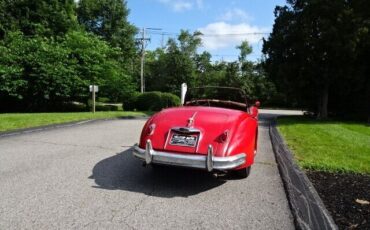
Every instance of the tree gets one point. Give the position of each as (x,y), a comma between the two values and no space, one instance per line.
(97,64)
(108,19)
(246,66)
(203,70)
(189,43)
(43,75)
(39,73)
(245,50)
(11,69)
(32,17)
(312,50)
(47,60)
(175,65)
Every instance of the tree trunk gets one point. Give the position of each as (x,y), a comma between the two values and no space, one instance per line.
(368,105)
(323,103)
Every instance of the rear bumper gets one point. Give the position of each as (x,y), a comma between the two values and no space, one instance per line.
(208,162)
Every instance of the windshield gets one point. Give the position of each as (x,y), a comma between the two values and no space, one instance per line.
(216,96)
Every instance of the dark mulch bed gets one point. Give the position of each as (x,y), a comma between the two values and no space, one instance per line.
(339,193)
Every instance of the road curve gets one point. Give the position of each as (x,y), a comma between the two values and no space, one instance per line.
(84,177)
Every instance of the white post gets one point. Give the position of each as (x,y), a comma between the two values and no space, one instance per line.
(184,88)
(93,98)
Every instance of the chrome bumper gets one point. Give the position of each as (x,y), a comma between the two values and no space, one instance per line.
(208,162)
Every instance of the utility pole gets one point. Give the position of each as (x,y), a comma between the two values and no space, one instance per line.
(162,40)
(143,40)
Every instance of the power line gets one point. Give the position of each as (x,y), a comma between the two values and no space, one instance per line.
(227,35)
(211,35)
(235,55)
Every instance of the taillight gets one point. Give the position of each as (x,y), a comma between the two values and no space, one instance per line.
(224,136)
(150,130)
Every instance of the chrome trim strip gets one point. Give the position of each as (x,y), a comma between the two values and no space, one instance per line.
(185,130)
(189,160)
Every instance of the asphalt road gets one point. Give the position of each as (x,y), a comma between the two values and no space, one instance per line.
(84,177)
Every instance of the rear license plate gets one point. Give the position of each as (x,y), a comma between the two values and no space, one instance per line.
(184,140)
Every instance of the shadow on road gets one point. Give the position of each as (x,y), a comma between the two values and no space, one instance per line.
(124,172)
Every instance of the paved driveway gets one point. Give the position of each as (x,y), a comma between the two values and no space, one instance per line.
(85,177)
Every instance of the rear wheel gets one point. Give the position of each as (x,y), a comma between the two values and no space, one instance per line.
(156,166)
(243,173)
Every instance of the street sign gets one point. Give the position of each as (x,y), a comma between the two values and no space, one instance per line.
(96,88)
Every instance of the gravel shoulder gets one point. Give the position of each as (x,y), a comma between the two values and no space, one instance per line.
(84,177)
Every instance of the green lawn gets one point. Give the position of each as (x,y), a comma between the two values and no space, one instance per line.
(11,121)
(329,146)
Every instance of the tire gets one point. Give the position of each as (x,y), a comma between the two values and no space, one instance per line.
(243,173)
(157,166)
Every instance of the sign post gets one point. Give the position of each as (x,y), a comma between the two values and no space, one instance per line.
(94,89)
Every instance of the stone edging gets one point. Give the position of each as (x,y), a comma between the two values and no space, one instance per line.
(308,210)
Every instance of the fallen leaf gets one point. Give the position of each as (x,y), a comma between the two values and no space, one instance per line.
(364,202)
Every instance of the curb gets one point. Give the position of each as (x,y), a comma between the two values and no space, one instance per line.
(308,210)
(63,125)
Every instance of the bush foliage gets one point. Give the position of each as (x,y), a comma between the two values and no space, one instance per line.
(48,60)
(151,101)
(106,108)
(169,100)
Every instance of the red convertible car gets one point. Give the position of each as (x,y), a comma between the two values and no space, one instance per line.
(216,130)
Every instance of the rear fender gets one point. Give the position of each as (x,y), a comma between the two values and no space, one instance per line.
(245,141)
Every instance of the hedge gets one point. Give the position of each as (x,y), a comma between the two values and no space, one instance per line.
(169,100)
(150,101)
(106,108)
(129,102)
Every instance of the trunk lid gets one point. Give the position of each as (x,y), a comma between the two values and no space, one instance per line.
(193,129)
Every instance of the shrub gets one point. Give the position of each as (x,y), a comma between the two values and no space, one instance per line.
(103,99)
(106,108)
(129,102)
(101,108)
(113,107)
(71,107)
(170,100)
(151,101)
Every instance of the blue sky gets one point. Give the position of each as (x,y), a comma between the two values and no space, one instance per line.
(214,18)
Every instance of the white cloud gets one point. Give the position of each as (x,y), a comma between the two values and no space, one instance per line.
(220,35)
(199,4)
(235,14)
(182,5)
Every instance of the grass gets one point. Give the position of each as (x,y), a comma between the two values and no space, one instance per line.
(12,121)
(328,145)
